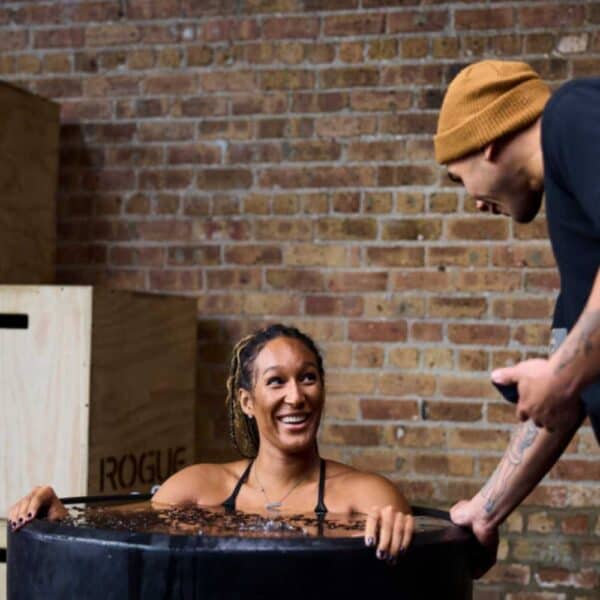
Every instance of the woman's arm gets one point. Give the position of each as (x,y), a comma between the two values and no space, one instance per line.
(389,524)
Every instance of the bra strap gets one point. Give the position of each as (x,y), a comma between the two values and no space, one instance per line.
(321,509)
(229,504)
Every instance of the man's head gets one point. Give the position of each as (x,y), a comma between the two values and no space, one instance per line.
(488,136)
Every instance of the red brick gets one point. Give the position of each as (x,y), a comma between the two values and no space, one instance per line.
(453,411)
(422,280)
(218,30)
(347,306)
(308,102)
(351,435)
(406,175)
(290,27)
(114,34)
(216,81)
(408,123)
(247,104)
(378,150)
(385,331)
(355,24)
(149,9)
(167,179)
(220,229)
(411,74)
(480,281)
(52,38)
(487,18)
(223,179)
(457,307)
(317,177)
(194,154)
(477,229)
(551,16)
(467,387)
(395,256)
(576,470)
(478,334)
(426,332)
(295,279)
(59,87)
(394,384)
(535,256)
(413,21)
(473,360)
(345,126)
(202,106)
(253,254)
(176,280)
(523,308)
(412,229)
(234,279)
(193,255)
(120,85)
(281,80)
(349,77)
(356,281)
(542,281)
(462,256)
(385,409)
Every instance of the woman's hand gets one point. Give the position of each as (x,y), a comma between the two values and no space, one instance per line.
(41,497)
(390,530)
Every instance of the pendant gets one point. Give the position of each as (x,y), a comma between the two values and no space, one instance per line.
(273,506)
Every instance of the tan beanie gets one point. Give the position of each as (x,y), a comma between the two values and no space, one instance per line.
(484,102)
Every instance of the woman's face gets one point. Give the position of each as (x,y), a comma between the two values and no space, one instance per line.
(287,397)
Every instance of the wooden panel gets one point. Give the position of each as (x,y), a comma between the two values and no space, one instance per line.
(29,133)
(44,370)
(142,389)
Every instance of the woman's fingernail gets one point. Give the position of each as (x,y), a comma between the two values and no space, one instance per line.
(29,515)
(392,561)
(370,541)
(381,554)
(20,519)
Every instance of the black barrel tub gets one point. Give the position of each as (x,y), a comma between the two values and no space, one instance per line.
(54,560)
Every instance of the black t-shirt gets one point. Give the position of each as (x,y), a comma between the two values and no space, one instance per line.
(571,150)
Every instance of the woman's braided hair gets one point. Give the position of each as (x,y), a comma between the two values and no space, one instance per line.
(243,430)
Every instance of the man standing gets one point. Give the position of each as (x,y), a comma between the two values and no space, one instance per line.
(503,136)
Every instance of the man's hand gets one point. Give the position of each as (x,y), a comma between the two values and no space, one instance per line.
(541,397)
(466,513)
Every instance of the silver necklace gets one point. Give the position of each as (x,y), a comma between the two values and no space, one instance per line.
(276,506)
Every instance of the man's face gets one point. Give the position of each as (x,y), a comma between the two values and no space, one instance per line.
(497,185)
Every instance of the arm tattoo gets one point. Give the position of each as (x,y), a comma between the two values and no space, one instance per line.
(495,487)
(589,326)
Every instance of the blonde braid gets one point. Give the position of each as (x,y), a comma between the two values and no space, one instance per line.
(241,430)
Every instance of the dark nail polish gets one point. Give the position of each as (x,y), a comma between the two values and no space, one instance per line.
(370,541)
(381,554)
(392,561)
(20,519)
(29,515)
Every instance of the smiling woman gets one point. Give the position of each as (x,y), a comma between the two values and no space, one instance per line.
(276,394)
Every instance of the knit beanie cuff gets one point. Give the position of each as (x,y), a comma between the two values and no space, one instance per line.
(513,110)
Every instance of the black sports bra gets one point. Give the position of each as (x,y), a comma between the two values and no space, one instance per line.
(320,509)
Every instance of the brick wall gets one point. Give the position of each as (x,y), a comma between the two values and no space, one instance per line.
(273,158)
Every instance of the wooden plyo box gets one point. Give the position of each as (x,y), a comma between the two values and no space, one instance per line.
(97,389)
(29,133)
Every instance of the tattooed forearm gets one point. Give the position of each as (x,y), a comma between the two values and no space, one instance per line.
(495,487)
(588,329)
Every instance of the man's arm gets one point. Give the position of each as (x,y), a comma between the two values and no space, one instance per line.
(549,388)
(530,455)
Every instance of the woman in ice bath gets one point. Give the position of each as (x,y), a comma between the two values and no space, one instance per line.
(276,393)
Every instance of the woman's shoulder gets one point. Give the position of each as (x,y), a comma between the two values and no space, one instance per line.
(207,484)
(365,488)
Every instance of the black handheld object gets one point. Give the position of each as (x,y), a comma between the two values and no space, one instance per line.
(508,390)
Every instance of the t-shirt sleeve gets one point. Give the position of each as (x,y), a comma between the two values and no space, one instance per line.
(572,143)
